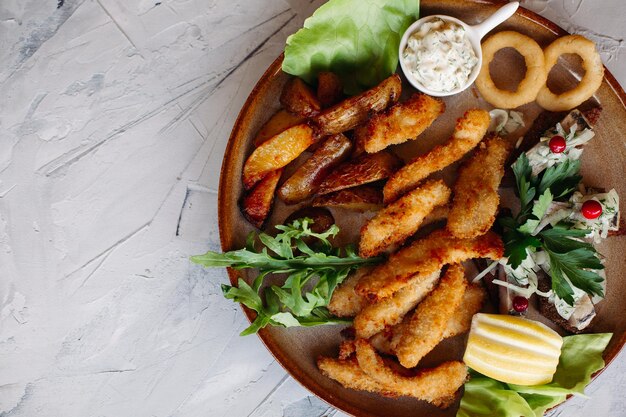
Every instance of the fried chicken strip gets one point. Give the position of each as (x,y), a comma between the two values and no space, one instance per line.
(476,196)
(469,130)
(436,385)
(460,322)
(401,219)
(429,321)
(348,374)
(345,302)
(390,311)
(423,257)
(399,123)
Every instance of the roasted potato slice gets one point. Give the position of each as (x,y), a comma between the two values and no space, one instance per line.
(308,177)
(352,112)
(399,220)
(298,98)
(400,122)
(279,122)
(257,204)
(276,152)
(329,89)
(365,169)
(359,199)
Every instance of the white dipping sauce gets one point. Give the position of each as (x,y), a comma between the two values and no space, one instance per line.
(439,56)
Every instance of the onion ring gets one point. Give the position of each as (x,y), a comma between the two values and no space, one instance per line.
(534,79)
(591,81)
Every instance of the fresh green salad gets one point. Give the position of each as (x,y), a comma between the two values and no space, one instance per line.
(356,39)
(310,269)
(581,357)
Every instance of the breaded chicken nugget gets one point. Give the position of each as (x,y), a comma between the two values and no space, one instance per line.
(345,302)
(469,130)
(390,311)
(476,196)
(425,329)
(460,322)
(423,257)
(348,374)
(436,385)
(401,219)
(399,123)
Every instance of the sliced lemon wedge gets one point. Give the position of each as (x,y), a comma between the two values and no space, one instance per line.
(513,349)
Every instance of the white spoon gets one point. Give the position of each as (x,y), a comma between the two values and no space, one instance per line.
(474,34)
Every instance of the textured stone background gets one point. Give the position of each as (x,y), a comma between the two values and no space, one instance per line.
(113,121)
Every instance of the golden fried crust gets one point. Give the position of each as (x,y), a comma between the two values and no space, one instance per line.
(436,385)
(473,300)
(476,196)
(390,311)
(430,319)
(468,132)
(401,219)
(345,302)
(423,257)
(399,123)
(348,374)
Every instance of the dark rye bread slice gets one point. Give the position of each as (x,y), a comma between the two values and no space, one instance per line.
(548,310)
(546,120)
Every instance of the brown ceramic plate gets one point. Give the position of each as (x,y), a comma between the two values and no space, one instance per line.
(603,166)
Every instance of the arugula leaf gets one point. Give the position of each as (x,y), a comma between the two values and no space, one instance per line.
(356,39)
(312,275)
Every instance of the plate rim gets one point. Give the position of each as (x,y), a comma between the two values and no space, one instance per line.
(224,206)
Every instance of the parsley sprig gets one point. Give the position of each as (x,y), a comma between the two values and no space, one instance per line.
(573,262)
(313,269)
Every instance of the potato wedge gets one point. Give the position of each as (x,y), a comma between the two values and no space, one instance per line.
(425,329)
(352,112)
(399,220)
(468,132)
(279,122)
(359,199)
(390,311)
(308,177)
(400,122)
(435,385)
(329,88)
(299,99)
(476,198)
(423,257)
(276,152)
(257,204)
(363,170)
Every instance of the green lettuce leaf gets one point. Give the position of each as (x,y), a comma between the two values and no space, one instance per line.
(356,39)
(581,357)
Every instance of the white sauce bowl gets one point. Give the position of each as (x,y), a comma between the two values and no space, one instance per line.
(474,35)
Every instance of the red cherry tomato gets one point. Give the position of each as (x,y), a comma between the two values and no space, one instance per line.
(557,144)
(520,304)
(591,209)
